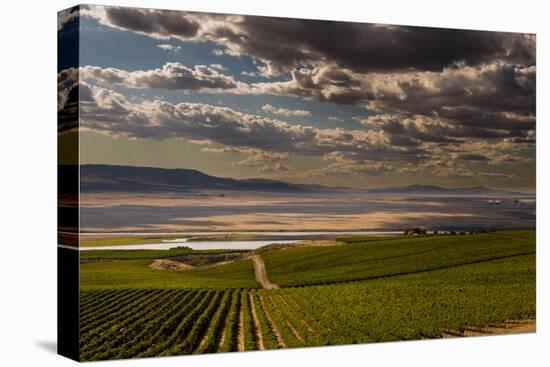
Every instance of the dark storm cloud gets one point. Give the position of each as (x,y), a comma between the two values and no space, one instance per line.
(68,38)
(482,83)
(417,130)
(489,100)
(456,90)
(67,100)
(485,101)
(494,87)
(67,19)
(282,44)
(374,48)
(156,23)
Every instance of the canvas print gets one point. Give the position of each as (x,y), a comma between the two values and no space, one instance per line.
(234,183)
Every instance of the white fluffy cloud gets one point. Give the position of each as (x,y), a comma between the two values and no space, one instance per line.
(169,47)
(485,101)
(171,76)
(285,111)
(345,165)
(269,143)
(265,161)
(111,113)
(335,119)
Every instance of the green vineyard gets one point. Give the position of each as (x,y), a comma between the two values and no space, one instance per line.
(474,286)
(147,323)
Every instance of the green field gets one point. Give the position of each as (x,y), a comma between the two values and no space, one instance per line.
(119,274)
(356,292)
(372,259)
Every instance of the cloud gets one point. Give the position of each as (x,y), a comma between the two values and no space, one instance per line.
(112,113)
(440,167)
(251,74)
(422,129)
(415,144)
(278,167)
(346,165)
(159,24)
(504,151)
(439,101)
(414,130)
(67,17)
(467,83)
(218,67)
(282,44)
(264,161)
(169,47)
(486,101)
(68,98)
(407,147)
(335,119)
(496,95)
(496,175)
(471,157)
(489,100)
(171,76)
(285,111)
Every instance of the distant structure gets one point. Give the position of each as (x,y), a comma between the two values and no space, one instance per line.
(414,231)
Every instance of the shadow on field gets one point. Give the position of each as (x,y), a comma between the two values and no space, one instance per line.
(48,345)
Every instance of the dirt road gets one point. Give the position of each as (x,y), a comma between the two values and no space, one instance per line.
(261,273)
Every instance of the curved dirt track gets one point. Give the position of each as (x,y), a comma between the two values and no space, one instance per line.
(261,273)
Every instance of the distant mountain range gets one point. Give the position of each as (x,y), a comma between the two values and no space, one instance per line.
(430,189)
(97,178)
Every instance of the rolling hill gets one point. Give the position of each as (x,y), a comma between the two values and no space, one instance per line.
(98,178)
(148,179)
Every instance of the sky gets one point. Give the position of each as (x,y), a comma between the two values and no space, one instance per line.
(306,101)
